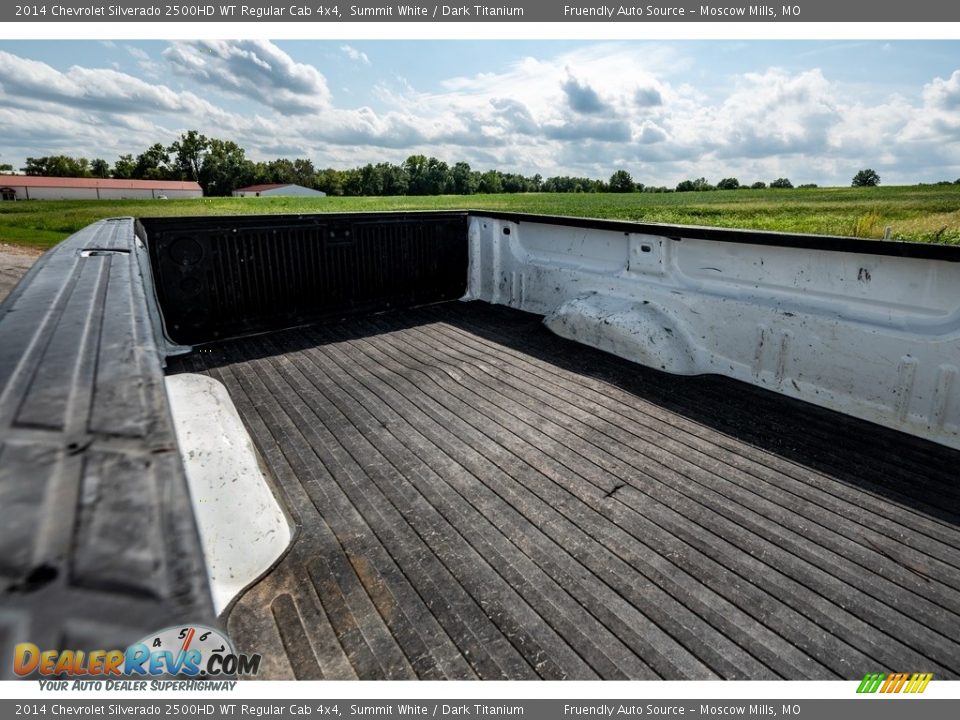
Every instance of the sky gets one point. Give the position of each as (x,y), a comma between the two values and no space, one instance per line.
(665,111)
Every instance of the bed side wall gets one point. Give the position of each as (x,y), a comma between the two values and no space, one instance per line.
(868,329)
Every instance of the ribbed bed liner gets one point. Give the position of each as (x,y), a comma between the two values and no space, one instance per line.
(479,498)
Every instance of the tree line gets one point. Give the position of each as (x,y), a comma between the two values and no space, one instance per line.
(221,166)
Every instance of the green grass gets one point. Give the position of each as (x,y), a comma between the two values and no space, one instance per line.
(922,214)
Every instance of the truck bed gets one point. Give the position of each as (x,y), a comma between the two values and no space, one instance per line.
(477,497)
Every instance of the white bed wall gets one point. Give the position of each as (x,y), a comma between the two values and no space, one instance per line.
(874,336)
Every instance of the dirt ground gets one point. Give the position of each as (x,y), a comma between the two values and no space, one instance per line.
(14,262)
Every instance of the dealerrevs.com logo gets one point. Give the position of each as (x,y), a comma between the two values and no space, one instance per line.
(192,651)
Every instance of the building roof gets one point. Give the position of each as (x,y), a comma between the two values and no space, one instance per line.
(104,183)
(265,186)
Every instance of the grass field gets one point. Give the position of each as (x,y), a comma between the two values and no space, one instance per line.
(917,213)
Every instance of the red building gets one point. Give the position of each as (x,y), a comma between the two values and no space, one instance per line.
(34,187)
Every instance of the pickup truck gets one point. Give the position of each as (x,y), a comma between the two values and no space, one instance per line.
(486,445)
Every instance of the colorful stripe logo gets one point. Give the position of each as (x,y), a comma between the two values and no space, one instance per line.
(895,682)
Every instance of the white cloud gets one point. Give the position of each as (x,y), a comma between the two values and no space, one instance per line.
(776,113)
(103,90)
(943,94)
(651,134)
(648,97)
(931,133)
(354,54)
(138,53)
(582,98)
(254,69)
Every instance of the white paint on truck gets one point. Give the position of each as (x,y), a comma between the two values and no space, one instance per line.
(873,336)
(243,528)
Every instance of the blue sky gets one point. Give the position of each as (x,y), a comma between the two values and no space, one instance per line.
(815,111)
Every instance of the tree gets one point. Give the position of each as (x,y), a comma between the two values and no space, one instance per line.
(371,180)
(865,178)
(514,183)
(416,170)
(6,168)
(352,182)
(490,182)
(100,168)
(465,180)
(188,151)
(281,171)
(330,181)
(304,171)
(151,164)
(124,167)
(395,180)
(781,183)
(35,166)
(57,166)
(758,185)
(621,182)
(698,185)
(438,179)
(728,184)
(225,168)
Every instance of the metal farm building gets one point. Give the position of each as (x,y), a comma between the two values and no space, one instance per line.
(33,187)
(277,189)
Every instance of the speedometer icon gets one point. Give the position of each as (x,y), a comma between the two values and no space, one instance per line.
(182,649)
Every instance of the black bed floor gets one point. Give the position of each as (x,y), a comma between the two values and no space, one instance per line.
(479,498)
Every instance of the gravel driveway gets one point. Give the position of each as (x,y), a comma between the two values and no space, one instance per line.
(14,262)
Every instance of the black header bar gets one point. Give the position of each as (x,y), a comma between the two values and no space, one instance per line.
(331,11)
